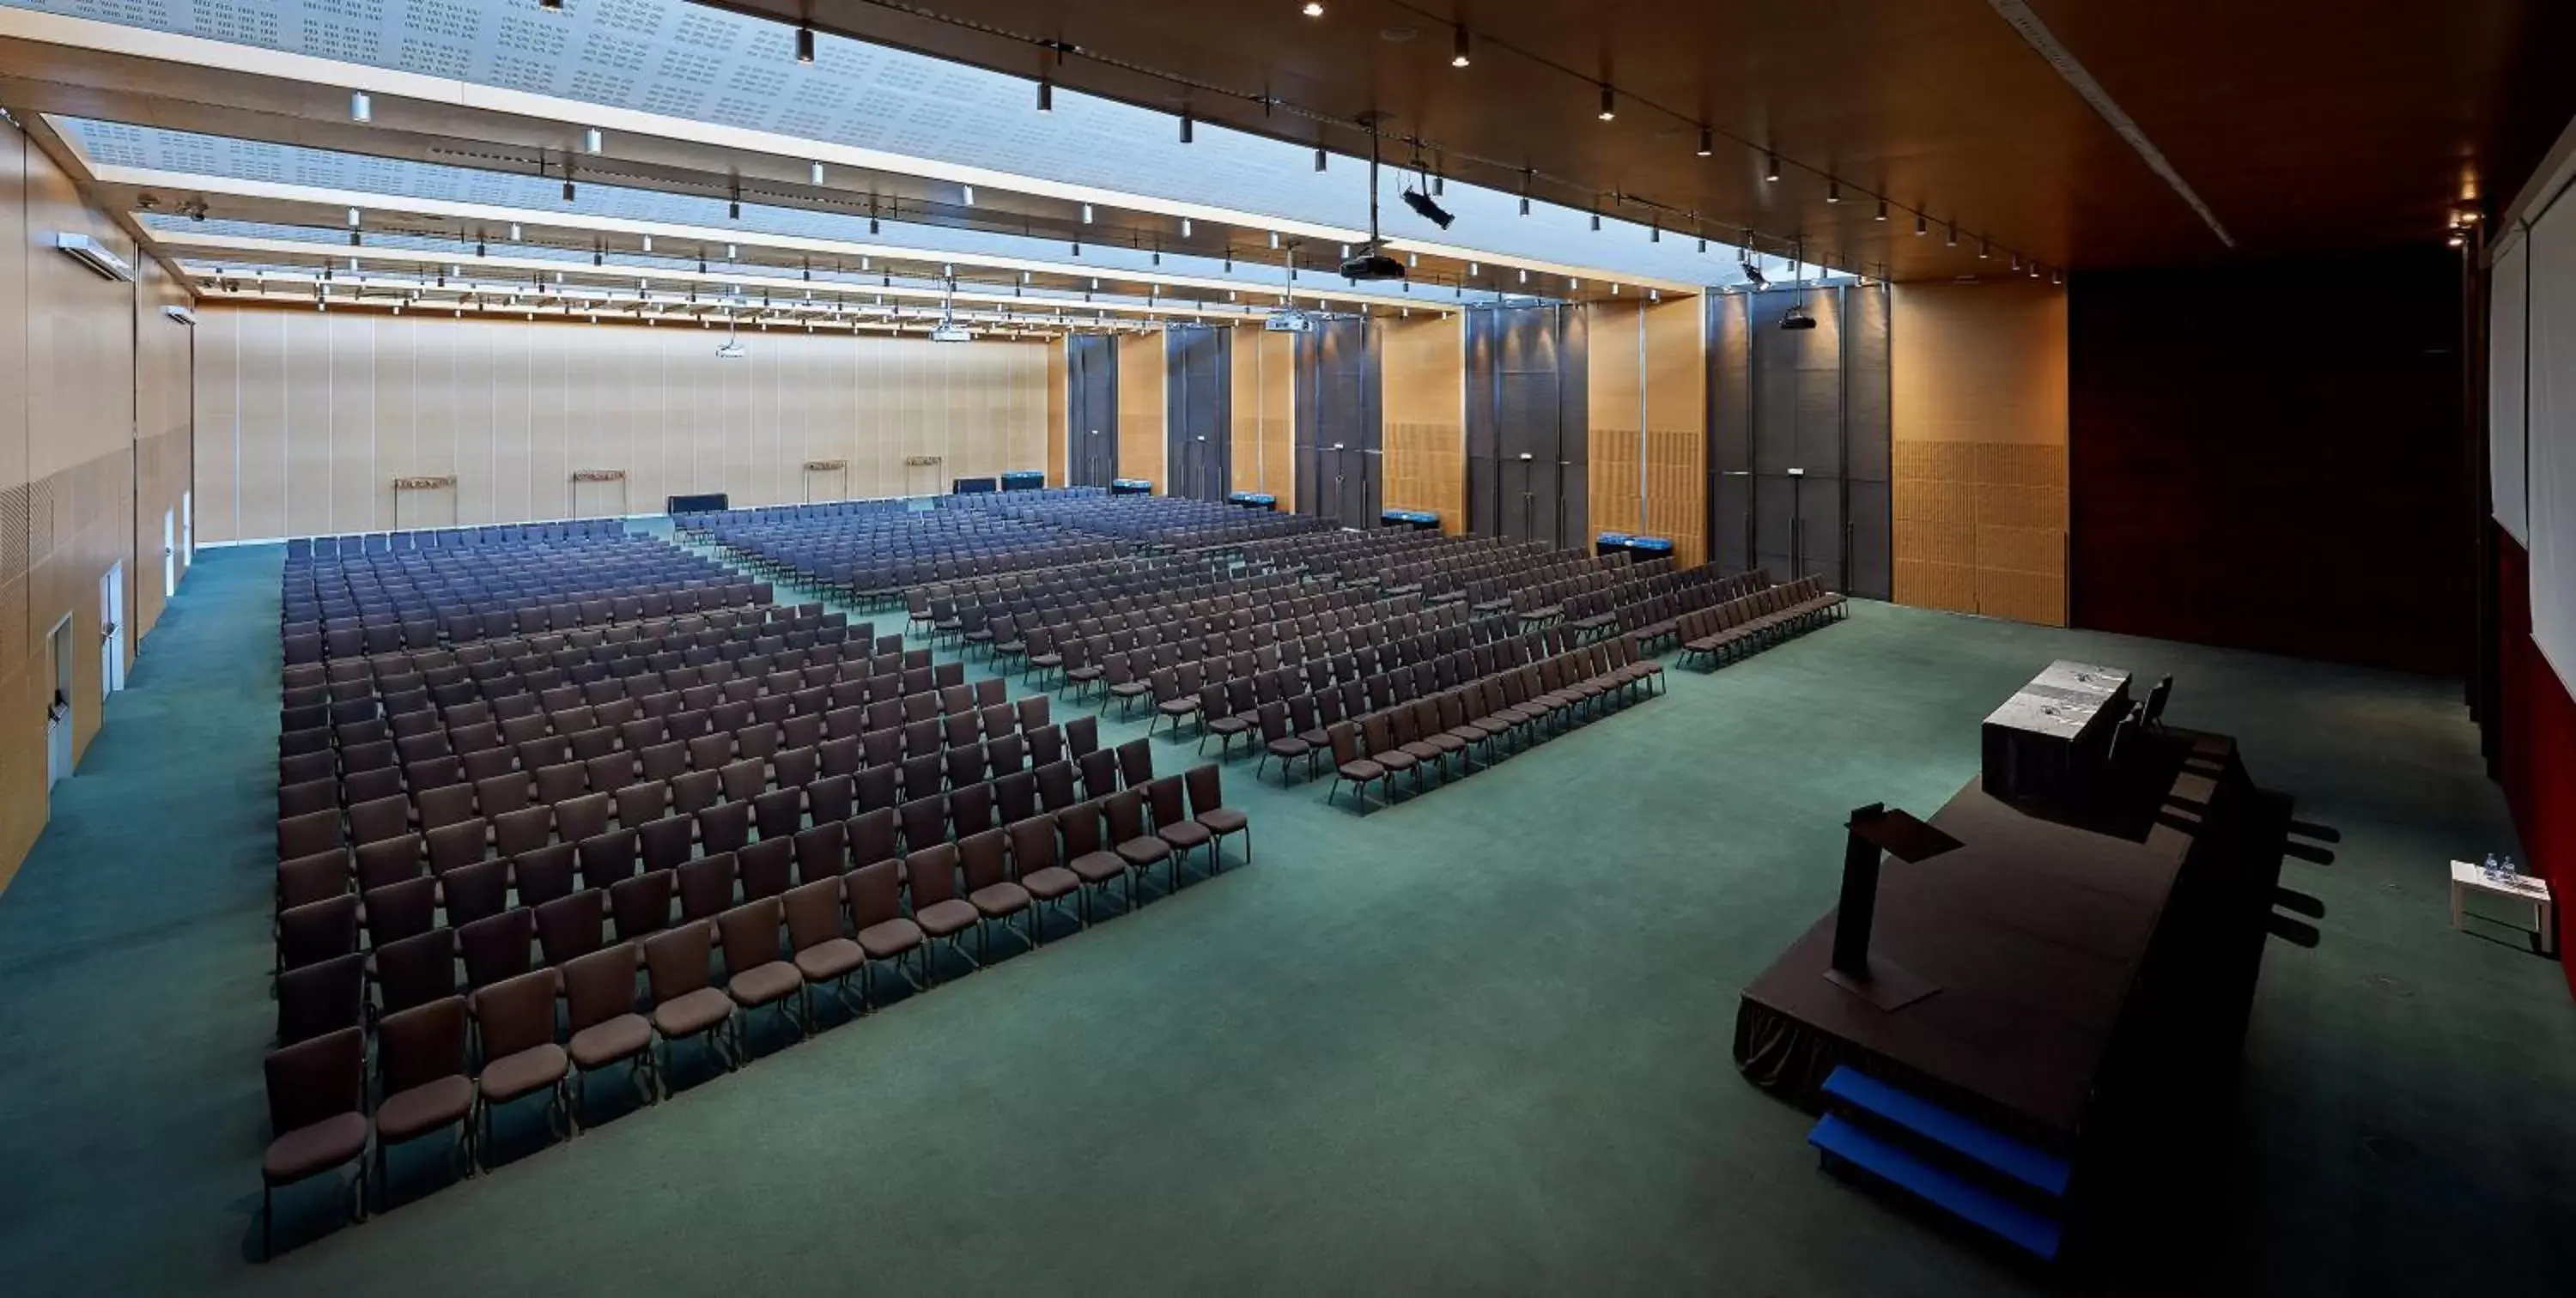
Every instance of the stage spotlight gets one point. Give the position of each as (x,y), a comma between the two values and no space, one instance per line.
(1426,209)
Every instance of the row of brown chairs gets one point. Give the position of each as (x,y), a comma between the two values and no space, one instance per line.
(1751,623)
(1426,733)
(835,927)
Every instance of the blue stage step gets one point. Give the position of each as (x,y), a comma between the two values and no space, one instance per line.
(2017,1225)
(1982,1145)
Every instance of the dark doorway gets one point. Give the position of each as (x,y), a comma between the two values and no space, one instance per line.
(1091,404)
(1527,419)
(1337,424)
(1798,436)
(1199,381)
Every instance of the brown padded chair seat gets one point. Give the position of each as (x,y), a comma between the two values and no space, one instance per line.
(1098,867)
(1144,851)
(944,918)
(1184,835)
(1050,883)
(424,1108)
(320,1147)
(525,1073)
(693,1013)
(1362,771)
(1223,820)
(999,899)
(889,938)
(1420,750)
(830,958)
(607,1042)
(765,983)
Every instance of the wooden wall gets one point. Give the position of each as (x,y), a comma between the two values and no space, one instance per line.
(307,417)
(1141,417)
(84,361)
(1648,388)
(1265,413)
(1979,429)
(1059,413)
(1423,374)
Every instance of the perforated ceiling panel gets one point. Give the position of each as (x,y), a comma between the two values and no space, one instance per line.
(690,62)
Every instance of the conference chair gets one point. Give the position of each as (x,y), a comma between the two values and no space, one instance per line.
(421,1070)
(317,1117)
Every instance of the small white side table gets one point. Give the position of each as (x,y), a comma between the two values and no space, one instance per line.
(2530,890)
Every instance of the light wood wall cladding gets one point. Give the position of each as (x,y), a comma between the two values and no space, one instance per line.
(1141,398)
(305,418)
(1264,411)
(1423,378)
(164,421)
(1648,369)
(1978,380)
(1059,413)
(74,479)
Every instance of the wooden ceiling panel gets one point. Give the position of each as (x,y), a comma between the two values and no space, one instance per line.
(2306,125)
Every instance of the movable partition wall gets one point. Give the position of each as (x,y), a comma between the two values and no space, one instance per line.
(1528,456)
(1338,474)
(1198,376)
(1798,436)
(1091,407)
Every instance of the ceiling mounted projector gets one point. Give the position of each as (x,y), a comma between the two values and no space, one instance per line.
(1288,322)
(949,331)
(1426,209)
(1372,265)
(730,349)
(1797,319)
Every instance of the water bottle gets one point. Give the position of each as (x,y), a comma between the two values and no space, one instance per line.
(2510,869)
(2491,870)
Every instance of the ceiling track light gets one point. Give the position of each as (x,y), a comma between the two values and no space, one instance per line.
(1086,214)
(1922,225)
(1596,218)
(1459,54)
(1609,103)
(1046,94)
(353,219)
(804,44)
(817,173)
(1771,167)
(590,140)
(361,108)
(1185,227)
(1313,9)
(1985,249)
(1187,131)
(648,243)
(1833,190)
(1953,240)
(1707,142)
(969,192)
(1882,209)
(514,227)
(551,6)
(1319,157)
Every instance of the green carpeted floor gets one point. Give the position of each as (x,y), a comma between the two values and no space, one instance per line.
(1477,1042)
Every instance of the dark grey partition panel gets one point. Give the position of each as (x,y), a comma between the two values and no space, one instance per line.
(1338,440)
(1091,406)
(1526,424)
(1798,436)
(1198,380)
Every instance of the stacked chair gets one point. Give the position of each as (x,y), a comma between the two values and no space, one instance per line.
(1159,522)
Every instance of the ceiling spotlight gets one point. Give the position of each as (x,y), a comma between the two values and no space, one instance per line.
(733,208)
(1274,238)
(1319,157)
(1474,270)
(1882,209)
(1753,274)
(1922,225)
(804,44)
(568,189)
(590,141)
(2016,261)
(353,220)
(551,6)
(1525,274)
(1046,94)
(2056,277)
(1185,128)
(730,254)
(648,243)
(817,173)
(1655,231)
(1086,214)
(514,230)
(480,250)
(1596,218)
(1458,50)
(1609,105)
(361,108)
(1185,227)
(1953,240)
(1707,141)
(1313,9)
(1426,209)
(1985,249)
(1833,190)
(1771,167)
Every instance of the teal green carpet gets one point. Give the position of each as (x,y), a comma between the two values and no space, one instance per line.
(1473,1043)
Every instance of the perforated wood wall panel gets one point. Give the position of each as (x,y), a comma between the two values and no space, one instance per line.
(1140,409)
(1647,373)
(1425,392)
(1978,417)
(304,419)
(1265,414)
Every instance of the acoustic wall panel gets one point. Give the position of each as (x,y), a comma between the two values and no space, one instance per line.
(306,418)
(1141,416)
(1263,409)
(2508,362)
(1424,381)
(2552,469)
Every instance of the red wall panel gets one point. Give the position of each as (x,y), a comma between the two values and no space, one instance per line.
(2538,721)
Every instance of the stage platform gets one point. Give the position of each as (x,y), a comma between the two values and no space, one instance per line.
(2094,969)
